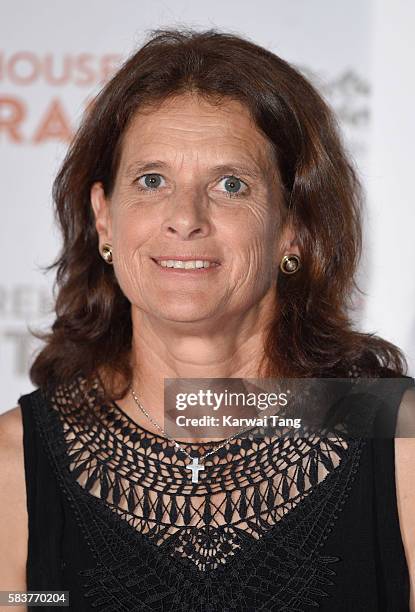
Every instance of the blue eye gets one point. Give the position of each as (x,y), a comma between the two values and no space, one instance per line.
(233,185)
(151,181)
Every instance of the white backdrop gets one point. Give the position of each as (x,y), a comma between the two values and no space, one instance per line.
(55,56)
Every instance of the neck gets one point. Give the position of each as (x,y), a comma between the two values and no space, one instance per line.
(170,349)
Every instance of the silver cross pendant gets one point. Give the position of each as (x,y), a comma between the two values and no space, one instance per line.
(195,467)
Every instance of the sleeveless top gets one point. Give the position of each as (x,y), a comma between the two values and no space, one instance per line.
(273,524)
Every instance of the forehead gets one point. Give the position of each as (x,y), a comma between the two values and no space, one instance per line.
(198,128)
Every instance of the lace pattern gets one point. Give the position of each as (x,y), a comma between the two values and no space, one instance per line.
(247,536)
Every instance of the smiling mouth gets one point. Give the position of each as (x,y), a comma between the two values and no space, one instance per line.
(186,264)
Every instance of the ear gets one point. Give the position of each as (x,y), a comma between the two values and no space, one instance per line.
(288,242)
(101,208)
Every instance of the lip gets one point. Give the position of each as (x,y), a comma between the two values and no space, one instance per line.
(191,258)
(188,273)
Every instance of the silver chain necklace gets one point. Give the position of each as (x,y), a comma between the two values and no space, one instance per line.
(195,466)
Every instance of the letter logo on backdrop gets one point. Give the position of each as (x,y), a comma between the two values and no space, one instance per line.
(37,98)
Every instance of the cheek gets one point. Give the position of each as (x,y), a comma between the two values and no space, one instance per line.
(129,236)
(130,231)
(254,239)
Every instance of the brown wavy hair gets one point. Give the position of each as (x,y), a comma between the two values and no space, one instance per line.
(312,333)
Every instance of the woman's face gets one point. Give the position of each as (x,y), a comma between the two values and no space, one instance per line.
(195,181)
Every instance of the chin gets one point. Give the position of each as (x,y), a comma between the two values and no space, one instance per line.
(182,314)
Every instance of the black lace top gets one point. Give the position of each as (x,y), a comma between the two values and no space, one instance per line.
(273,524)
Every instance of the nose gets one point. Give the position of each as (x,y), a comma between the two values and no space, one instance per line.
(187,215)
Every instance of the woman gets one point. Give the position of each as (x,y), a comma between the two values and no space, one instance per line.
(207,149)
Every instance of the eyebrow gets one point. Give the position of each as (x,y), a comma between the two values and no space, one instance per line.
(233,168)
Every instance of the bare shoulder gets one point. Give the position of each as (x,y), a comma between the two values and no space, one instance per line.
(13,512)
(405,480)
(11,426)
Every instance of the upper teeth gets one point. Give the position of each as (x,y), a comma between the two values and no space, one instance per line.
(197,263)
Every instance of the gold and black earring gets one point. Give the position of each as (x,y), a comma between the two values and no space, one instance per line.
(107,253)
(290,264)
